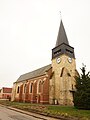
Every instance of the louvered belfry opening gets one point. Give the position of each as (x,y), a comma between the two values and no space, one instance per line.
(62,45)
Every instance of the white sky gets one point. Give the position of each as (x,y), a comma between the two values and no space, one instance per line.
(28,32)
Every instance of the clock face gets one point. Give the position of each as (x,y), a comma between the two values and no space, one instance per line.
(58,60)
(69,60)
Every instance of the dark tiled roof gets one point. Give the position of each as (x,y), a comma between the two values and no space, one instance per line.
(35,73)
(62,37)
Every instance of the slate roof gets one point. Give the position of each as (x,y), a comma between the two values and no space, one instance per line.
(35,73)
(62,37)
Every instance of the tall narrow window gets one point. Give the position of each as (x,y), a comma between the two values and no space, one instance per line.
(18,89)
(25,88)
(39,87)
(31,88)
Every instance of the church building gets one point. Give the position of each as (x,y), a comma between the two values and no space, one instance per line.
(51,84)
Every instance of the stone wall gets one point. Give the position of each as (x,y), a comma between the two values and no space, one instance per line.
(62,81)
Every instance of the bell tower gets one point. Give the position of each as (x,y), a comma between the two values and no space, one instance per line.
(62,83)
(62,44)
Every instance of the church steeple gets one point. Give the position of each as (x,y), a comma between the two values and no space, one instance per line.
(62,37)
(62,45)
(64,69)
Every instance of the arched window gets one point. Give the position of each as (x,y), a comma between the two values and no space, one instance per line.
(31,87)
(39,88)
(25,88)
(18,89)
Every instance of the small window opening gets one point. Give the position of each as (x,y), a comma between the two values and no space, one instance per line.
(18,89)
(57,52)
(39,86)
(31,88)
(25,88)
(69,51)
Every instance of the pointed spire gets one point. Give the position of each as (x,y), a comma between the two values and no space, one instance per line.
(62,37)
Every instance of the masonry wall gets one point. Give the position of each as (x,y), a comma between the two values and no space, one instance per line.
(5,93)
(63,81)
(39,92)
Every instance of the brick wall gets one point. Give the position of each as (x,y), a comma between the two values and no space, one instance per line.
(38,95)
(5,93)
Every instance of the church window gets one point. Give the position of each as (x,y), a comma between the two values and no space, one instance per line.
(31,87)
(39,87)
(25,88)
(18,89)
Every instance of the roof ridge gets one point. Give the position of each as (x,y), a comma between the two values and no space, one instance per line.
(34,73)
(36,69)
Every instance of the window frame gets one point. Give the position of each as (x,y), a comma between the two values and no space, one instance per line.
(18,89)
(25,86)
(31,88)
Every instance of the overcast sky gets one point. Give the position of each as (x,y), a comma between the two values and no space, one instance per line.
(28,32)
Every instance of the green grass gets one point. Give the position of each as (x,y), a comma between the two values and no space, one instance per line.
(65,111)
(69,111)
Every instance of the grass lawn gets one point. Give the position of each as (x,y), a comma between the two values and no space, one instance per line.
(70,111)
(65,111)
